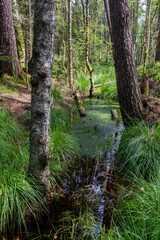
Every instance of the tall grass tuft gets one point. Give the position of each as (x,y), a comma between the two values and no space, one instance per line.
(139,151)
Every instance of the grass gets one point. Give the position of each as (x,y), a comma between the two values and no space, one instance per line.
(152,70)
(139,152)
(19,195)
(56,95)
(59,118)
(138,215)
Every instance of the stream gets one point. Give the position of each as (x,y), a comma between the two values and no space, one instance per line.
(98,136)
(84,191)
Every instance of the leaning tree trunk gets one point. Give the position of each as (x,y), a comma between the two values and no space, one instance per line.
(41,68)
(127,84)
(157,57)
(90,69)
(8,48)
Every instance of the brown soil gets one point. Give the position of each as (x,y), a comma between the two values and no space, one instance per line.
(17,102)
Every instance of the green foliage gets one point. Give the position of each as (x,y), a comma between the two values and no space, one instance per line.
(152,70)
(56,95)
(139,151)
(138,216)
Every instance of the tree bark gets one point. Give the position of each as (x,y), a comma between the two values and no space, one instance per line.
(41,67)
(127,84)
(70,43)
(90,69)
(157,57)
(7,40)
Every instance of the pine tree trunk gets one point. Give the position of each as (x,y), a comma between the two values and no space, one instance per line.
(127,84)
(70,43)
(41,68)
(157,57)
(7,40)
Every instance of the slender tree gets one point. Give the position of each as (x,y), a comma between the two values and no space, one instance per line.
(7,40)
(157,57)
(145,46)
(19,33)
(90,69)
(41,68)
(70,43)
(127,84)
(107,8)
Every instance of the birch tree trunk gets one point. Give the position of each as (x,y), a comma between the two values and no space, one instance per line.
(70,43)
(127,84)
(7,40)
(90,69)
(41,68)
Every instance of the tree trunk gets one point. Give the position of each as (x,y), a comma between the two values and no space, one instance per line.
(90,69)
(70,43)
(127,84)
(41,68)
(145,46)
(19,33)
(157,57)
(9,64)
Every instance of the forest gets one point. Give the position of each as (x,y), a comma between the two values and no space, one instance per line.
(80,119)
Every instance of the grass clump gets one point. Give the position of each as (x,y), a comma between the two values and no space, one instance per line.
(139,151)
(138,216)
(19,197)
